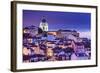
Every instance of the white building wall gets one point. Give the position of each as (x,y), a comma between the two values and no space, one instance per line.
(44,26)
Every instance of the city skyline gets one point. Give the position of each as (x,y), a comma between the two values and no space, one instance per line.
(59,20)
(56,36)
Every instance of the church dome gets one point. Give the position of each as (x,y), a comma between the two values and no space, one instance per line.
(43,20)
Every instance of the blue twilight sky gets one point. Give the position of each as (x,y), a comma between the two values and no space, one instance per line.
(58,20)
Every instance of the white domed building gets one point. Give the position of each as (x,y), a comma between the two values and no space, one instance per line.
(44,25)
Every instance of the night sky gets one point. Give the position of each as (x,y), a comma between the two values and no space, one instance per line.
(58,20)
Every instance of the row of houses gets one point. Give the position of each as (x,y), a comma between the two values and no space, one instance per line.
(53,44)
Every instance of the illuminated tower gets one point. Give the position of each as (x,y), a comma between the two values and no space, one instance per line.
(44,24)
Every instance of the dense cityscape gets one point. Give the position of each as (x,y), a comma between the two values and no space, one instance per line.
(41,44)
